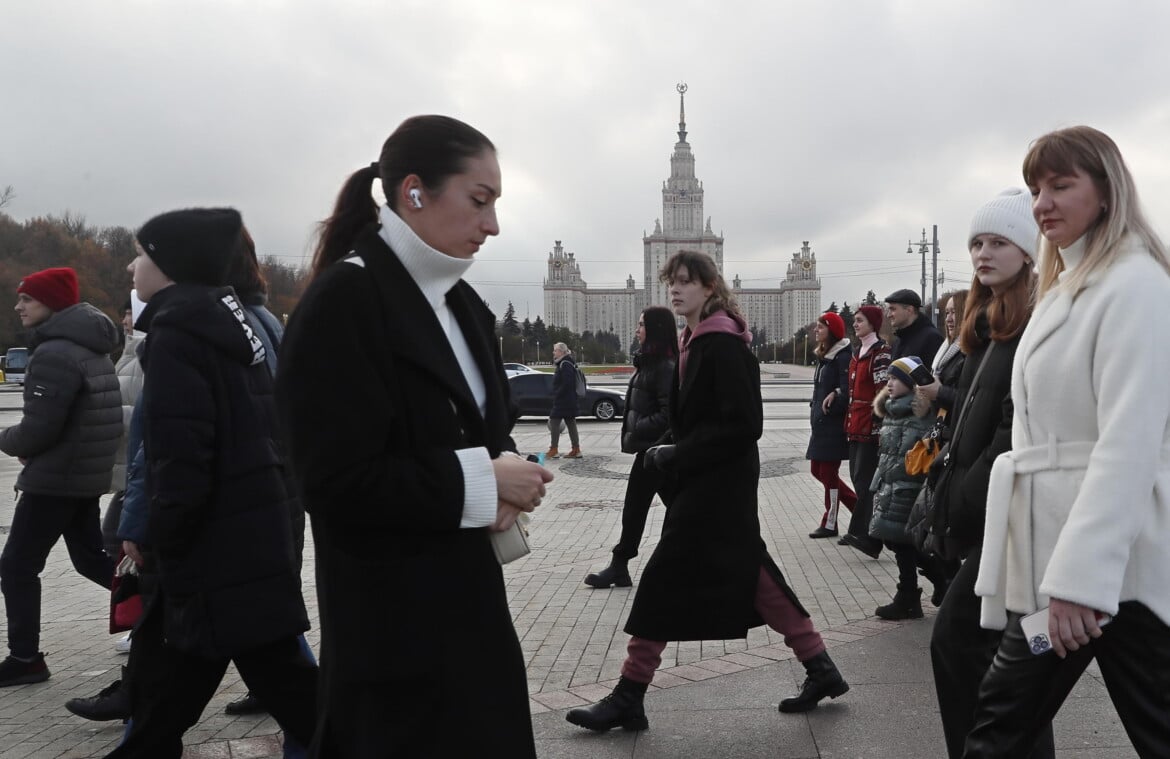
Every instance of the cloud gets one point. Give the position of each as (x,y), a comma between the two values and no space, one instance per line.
(853,126)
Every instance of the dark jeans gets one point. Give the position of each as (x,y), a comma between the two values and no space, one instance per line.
(863,461)
(640,490)
(961,652)
(1023,692)
(170,689)
(38,522)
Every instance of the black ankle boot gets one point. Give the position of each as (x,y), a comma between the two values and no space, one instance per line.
(622,708)
(111,702)
(616,573)
(823,680)
(907,604)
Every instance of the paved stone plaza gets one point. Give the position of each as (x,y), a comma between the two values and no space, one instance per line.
(711,699)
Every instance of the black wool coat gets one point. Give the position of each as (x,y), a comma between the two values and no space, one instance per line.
(647,402)
(700,582)
(986,432)
(219,518)
(375,405)
(827,440)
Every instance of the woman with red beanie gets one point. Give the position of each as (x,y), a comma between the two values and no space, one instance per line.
(867,377)
(828,447)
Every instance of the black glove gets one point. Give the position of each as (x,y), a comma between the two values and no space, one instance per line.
(659,457)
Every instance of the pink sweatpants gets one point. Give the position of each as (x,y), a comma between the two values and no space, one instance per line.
(643,656)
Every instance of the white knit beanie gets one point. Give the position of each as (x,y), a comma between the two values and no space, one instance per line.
(1009,215)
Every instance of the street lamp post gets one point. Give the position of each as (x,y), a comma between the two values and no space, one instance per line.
(522,349)
(537,351)
(501,347)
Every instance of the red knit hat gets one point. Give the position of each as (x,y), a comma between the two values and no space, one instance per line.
(835,324)
(56,288)
(873,315)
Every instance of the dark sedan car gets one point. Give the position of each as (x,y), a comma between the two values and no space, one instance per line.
(533,393)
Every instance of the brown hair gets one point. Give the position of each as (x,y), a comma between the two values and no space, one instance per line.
(1007,313)
(701,266)
(959,298)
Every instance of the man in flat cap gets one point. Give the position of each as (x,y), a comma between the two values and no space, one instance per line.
(914,334)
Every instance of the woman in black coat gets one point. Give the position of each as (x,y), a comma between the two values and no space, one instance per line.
(645,422)
(564,409)
(405,462)
(710,577)
(1002,245)
(828,445)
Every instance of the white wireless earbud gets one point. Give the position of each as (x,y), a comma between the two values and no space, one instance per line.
(414,197)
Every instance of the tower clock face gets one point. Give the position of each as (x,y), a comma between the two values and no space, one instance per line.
(807,265)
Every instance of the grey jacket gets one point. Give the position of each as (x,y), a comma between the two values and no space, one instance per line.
(72,407)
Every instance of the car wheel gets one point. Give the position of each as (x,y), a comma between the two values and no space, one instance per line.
(604,410)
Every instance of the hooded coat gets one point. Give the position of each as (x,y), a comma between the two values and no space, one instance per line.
(72,420)
(218,488)
(565,388)
(700,582)
(827,441)
(894,489)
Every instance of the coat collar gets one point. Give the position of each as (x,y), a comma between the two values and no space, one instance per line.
(416,336)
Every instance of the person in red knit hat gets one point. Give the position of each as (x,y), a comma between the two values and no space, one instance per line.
(66,439)
(867,376)
(827,445)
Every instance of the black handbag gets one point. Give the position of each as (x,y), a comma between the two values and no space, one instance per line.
(929,528)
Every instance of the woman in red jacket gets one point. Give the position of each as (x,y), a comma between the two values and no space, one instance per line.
(867,376)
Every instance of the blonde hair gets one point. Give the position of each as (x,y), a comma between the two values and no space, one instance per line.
(1093,153)
(701,267)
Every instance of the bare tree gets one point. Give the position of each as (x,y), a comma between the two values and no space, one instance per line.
(6,196)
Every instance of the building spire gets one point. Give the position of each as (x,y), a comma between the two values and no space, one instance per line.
(682,114)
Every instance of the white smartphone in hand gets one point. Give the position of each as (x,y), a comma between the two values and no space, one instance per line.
(1035,627)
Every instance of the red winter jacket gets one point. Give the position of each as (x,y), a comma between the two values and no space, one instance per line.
(867,376)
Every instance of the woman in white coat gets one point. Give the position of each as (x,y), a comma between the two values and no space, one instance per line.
(1078,512)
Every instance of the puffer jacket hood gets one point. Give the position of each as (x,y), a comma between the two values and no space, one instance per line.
(213,315)
(82,324)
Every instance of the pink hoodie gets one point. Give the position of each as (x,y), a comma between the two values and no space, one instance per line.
(720,321)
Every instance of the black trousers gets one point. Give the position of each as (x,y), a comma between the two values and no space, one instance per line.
(110,520)
(38,522)
(169,689)
(961,653)
(1022,692)
(640,490)
(863,461)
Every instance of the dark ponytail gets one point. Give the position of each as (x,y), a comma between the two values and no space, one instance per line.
(432,147)
(355,209)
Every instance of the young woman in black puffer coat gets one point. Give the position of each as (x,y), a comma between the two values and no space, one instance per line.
(645,422)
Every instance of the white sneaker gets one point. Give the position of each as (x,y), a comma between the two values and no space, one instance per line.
(122,645)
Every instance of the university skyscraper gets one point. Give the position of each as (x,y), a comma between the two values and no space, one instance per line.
(780,312)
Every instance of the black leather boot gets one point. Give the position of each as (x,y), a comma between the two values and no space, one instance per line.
(822,532)
(617,573)
(249,704)
(823,680)
(907,604)
(111,702)
(622,708)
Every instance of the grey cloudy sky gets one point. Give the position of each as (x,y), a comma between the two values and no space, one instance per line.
(849,123)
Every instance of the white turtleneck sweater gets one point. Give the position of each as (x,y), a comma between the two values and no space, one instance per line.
(435,274)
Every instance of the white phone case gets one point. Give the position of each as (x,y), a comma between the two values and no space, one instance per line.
(1035,627)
